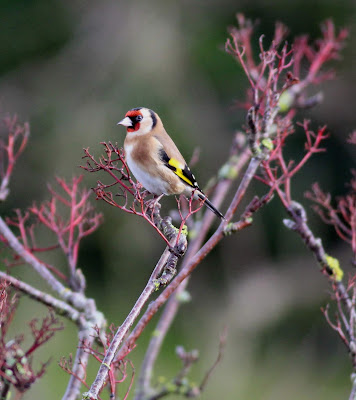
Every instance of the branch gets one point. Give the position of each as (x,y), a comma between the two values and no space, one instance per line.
(263,127)
(180,383)
(191,262)
(167,259)
(78,371)
(90,318)
(299,225)
(76,299)
(239,156)
(59,306)
(37,265)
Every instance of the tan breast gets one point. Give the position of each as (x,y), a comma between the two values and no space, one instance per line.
(142,155)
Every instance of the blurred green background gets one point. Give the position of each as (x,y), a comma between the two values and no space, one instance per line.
(73,69)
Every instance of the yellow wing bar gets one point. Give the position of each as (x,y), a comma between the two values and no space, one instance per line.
(178,170)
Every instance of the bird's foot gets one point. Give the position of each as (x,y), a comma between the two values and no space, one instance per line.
(145,193)
(152,203)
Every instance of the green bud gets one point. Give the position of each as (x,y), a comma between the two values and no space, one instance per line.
(285,101)
(267,143)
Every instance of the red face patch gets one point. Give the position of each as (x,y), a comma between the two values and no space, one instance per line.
(134,128)
(133,114)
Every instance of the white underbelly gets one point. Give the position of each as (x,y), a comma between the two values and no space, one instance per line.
(152,184)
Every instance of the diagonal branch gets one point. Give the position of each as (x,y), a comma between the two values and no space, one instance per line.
(192,262)
(37,265)
(167,258)
(86,321)
(59,306)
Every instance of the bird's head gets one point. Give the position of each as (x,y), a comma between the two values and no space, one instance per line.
(139,121)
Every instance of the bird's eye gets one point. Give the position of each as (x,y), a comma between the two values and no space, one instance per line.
(139,118)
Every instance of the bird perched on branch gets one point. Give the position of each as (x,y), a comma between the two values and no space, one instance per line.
(155,160)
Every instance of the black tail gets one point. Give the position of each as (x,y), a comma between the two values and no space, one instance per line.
(210,205)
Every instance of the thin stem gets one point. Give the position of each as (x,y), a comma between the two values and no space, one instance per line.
(78,373)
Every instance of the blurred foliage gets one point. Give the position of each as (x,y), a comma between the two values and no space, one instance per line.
(73,68)
(30,32)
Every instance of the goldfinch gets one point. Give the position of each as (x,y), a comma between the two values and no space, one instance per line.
(155,160)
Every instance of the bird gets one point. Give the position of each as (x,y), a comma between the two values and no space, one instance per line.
(154,159)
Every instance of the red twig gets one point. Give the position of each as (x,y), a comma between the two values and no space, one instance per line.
(131,198)
(15,364)
(12,144)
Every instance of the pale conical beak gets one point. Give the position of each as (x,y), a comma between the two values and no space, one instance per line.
(125,122)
